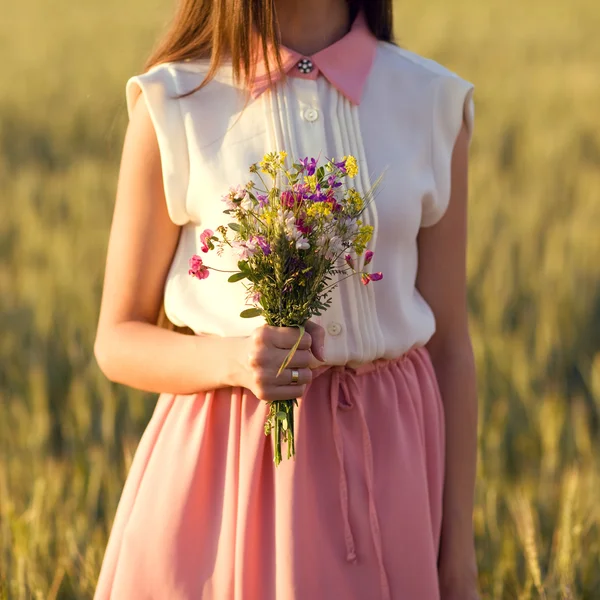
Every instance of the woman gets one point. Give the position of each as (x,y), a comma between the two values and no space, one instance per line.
(378,501)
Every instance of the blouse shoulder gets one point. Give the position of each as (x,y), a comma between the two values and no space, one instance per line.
(160,87)
(448,100)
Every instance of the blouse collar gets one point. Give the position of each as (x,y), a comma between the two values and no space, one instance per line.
(346,64)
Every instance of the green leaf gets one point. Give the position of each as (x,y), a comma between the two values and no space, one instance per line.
(291,353)
(237,277)
(281,416)
(243,266)
(234,226)
(320,172)
(249,313)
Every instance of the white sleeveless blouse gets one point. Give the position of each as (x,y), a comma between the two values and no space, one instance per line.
(410,112)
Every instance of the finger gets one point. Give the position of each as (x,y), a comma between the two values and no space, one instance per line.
(285,379)
(317,333)
(271,359)
(286,337)
(300,360)
(289,392)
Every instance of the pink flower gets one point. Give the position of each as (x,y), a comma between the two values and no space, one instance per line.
(288,199)
(256,297)
(197,268)
(204,236)
(368,277)
(368,257)
(302,226)
(349,261)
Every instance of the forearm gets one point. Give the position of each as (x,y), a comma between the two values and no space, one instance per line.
(152,359)
(455,370)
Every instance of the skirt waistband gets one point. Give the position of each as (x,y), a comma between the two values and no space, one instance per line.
(370,366)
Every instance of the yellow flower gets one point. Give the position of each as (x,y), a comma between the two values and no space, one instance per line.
(311,181)
(319,209)
(269,215)
(272,162)
(365,233)
(354,200)
(351,166)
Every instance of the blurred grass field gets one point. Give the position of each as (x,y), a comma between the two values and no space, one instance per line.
(67,436)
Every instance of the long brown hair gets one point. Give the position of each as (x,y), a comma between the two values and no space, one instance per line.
(219,29)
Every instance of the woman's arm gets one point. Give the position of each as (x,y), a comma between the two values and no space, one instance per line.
(442,282)
(130,348)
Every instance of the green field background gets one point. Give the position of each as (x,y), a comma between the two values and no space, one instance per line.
(67,436)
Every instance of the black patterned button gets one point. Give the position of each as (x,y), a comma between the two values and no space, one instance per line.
(305,66)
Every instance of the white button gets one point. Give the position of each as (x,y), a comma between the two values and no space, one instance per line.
(311,114)
(334,328)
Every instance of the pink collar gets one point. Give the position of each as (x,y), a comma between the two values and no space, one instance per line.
(346,64)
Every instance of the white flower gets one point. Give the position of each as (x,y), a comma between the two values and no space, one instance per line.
(233,196)
(229,203)
(335,245)
(288,221)
(302,243)
(247,203)
(244,249)
(239,192)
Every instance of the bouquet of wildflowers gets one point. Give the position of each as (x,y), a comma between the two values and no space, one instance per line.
(297,232)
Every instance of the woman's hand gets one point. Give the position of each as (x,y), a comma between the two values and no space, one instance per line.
(264,352)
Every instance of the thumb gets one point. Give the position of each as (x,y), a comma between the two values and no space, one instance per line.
(317,333)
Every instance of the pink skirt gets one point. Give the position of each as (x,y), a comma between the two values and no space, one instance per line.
(205,515)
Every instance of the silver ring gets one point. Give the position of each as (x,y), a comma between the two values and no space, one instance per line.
(295,377)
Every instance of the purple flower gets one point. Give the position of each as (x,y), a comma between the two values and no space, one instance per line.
(333,182)
(302,191)
(368,257)
(262,200)
(349,261)
(341,166)
(263,244)
(377,276)
(309,165)
(320,195)
(256,297)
